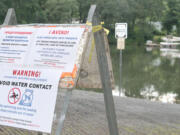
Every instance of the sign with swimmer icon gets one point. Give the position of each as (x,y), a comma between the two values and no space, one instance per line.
(24,97)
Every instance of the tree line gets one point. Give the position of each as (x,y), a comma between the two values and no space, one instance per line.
(137,13)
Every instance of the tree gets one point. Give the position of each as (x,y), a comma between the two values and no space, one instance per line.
(3,10)
(172,16)
(83,8)
(27,11)
(61,11)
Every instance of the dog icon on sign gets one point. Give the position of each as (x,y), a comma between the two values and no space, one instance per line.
(27,98)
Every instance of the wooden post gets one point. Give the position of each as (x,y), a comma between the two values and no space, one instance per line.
(104,70)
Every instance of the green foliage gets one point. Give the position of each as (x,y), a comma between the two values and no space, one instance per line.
(157,39)
(27,11)
(143,32)
(3,10)
(83,8)
(137,13)
(61,11)
(172,16)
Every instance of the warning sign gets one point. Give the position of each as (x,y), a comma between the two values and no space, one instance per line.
(58,46)
(24,98)
(45,46)
(26,91)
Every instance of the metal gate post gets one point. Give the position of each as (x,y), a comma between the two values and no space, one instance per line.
(104,70)
(10,17)
(64,112)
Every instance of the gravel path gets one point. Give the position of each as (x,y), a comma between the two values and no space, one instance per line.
(86,116)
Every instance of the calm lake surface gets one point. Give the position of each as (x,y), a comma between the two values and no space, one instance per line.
(154,75)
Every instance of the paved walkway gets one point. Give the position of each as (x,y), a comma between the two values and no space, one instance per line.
(86,116)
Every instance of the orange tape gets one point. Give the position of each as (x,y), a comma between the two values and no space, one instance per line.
(70,74)
(51,26)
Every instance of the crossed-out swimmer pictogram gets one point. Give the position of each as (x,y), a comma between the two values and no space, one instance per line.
(14,95)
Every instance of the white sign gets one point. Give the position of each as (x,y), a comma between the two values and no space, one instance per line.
(14,44)
(27,98)
(55,47)
(44,46)
(121,30)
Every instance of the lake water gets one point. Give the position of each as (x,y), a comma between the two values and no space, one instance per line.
(154,75)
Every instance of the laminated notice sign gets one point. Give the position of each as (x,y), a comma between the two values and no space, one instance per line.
(55,47)
(66,47)
(58,46)
(14,44)
(24,97)
(52,53)
(44,46)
